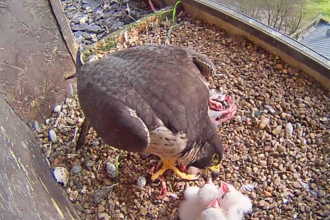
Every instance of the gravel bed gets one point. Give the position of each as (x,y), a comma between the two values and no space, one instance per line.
(279,139)
(91,20)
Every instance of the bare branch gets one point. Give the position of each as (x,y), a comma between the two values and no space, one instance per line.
(283,15)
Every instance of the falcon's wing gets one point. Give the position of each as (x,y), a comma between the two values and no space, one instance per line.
(114,120)
(168,80)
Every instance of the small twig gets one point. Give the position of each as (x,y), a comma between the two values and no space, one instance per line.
(325,97)
(71,90)
(58,118)
(112,185)
(125,35)
(49,150)
(75,135)
(128,10)
(132,18)
(70,76)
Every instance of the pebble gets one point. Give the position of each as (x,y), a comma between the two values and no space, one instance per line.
(261,203)
(263,123)
(262,163)
(101,194)
(144,155)
(248,170)
(279,66)
(76,169)
(100,209)
(85,27)
(72,195)
(270,109)
(288,130)
(290,144)
(107,182)
(141,182)
(281,149)
(61,175)
(35,125)
(52,135)
(111,169)
(89,164)
(57,108)
(277,130)
(92,58)
(103,216)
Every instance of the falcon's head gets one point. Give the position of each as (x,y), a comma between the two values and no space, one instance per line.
(209,155)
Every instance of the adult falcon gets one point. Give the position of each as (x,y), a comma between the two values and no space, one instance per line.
(155,99)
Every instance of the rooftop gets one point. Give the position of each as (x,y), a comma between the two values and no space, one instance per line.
(318,38)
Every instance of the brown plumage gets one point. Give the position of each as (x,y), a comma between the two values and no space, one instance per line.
(152,99)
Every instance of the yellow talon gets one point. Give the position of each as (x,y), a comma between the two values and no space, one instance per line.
(170,164)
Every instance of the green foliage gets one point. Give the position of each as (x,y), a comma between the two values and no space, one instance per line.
(173,20)
(117,166)
(316,7)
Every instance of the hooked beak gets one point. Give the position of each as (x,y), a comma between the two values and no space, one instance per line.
(215,172)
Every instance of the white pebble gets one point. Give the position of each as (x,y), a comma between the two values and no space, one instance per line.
(270,108)
(103,216)
(35,125)
(72,194)
(141,182)
(61,175)
(111,169)
(57,108)
(52,135)
(288,130)
(92,58)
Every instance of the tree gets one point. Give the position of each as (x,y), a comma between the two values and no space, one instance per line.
(283,15)
(251,8)
(294,19)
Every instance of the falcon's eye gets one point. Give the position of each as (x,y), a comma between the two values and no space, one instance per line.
(215,159)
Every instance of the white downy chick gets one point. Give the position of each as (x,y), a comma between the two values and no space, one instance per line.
(233,202)
(213,214)
(197,200)
(187,208)
(191,193)
(208,194)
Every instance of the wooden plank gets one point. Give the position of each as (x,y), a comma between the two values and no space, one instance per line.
(27,188)
(64,26)
(33,58)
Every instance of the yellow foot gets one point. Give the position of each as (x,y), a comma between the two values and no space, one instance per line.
(170,164)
